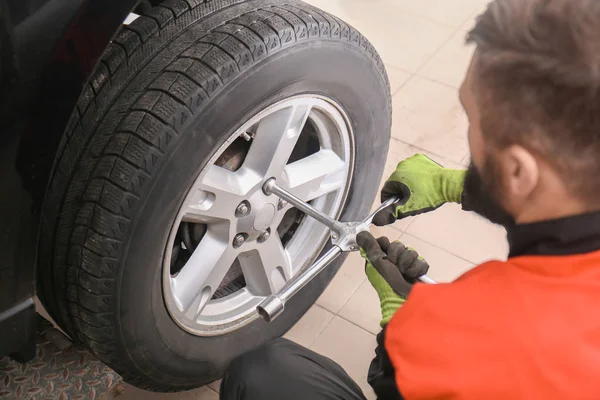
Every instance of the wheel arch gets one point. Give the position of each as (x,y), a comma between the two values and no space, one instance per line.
(49,51)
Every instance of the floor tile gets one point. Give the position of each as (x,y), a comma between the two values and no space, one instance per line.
(363,308)
(400,150)
(464,234)
(482,9)
(216,386)
(452,13)
(203,393)
(390,166)
(444,162)
(450,64)
(346,281)
(428,115)
(41,310)
(403,40)
(397,78)
(310,326)
(443,266)
(348,10)
(466,161)
(350,346)
(392,232)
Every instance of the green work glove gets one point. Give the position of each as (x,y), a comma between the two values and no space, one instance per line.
(392,269)
(422,185)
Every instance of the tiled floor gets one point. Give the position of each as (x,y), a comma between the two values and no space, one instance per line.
(422,45)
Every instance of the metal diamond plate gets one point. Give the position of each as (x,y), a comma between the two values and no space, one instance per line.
(60,371)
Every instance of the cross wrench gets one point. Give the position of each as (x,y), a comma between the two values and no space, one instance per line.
(343,238)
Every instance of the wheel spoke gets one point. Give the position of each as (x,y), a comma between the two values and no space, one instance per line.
(316,175)
(267,269)
(275,139)
(201,276)
(217,195)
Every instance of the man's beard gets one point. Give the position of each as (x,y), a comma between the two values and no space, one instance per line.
(480,194)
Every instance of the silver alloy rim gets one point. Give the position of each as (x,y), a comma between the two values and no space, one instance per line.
(241,223)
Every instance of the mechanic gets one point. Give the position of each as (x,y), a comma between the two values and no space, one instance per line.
(522,329)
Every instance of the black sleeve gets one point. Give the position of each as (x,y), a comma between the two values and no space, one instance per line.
(381,373)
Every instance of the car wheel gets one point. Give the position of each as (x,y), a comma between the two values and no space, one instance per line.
(159,242)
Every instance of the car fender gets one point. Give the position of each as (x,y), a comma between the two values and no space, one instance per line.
(48,50)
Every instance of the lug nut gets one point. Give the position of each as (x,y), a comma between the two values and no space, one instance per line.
(264,236)
(281,204)
(239,240)
(243,209)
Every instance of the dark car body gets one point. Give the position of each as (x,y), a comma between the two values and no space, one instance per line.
(48,48)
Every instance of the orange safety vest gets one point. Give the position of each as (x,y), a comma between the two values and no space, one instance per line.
(528,328)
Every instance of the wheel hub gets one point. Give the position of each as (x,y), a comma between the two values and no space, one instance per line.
(263,213)
(264,217)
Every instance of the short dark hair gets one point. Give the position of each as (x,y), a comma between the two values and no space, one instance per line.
(537,70)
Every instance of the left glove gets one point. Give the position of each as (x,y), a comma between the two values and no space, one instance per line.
(391,269)
(423,185)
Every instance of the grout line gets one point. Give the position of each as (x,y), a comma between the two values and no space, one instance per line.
(441,248)
(472,18)
(412,145)
(346,301)
(389,64)
(356,325)
(399,230)
(436,52)
(419,15)
(465,159)
(414,218)
(332,316)
(398,68)
(418,75)
(410,78)
(400,141)
(428,151)
(352,294)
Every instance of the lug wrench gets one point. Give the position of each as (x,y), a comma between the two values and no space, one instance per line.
(343,238)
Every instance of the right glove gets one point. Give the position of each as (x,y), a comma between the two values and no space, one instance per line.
(391,269)
(422,185)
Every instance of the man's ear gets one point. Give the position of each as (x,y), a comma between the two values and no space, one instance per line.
(521,171)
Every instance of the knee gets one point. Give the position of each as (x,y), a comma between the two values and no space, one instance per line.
(260,361)
(263,363)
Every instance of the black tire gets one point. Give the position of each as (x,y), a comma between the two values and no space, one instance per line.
(171,88)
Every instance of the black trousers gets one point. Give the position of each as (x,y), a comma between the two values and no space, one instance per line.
(285,370)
